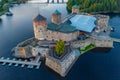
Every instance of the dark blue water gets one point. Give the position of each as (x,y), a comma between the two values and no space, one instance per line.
(90,66)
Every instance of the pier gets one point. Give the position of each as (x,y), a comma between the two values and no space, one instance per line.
(30,64)
(115,40)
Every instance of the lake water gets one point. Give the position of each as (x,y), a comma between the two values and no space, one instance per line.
(90,66)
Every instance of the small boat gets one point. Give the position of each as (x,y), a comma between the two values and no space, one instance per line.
(8,58)
(4,63)
(14,59)
(25,60)
(112,29)
(22,65)
(28,66)
(37,67)
(31,66)
(16,64)
(20,60)
(9,13)
(2,58)
(9,64)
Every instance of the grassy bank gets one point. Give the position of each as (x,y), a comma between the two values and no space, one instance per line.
(87,48)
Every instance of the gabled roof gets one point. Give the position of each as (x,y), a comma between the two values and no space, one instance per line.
(39,18)
(56,12)
(83,22)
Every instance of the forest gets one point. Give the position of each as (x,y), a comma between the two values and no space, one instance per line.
(5,4)
(101,6)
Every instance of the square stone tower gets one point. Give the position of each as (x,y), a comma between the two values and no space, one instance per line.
(40,26)
(56,17)
(75,9)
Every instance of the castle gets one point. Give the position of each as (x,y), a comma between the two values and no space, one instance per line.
(78,30)
(54,30)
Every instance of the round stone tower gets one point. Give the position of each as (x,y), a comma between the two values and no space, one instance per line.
(56,17)
(40,26)
(75,9)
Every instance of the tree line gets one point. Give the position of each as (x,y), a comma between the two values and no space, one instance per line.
(95,5)
(5,4)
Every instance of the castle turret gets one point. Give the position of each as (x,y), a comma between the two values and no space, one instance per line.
(75,9)
(56,17)
(40,26)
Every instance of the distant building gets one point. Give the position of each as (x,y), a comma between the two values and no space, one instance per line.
(75,9)
(56,17)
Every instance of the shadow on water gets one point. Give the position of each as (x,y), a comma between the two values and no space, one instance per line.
(0,20)
(101,50)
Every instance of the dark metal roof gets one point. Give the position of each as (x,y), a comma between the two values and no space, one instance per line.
(39,18)
(76,6)
(57,12)
(64,28)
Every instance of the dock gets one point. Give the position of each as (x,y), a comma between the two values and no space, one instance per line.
(16,62)
(115,40)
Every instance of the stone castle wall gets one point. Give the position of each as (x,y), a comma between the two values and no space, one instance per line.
(102,22)
(53,35)
(96,42)
(41,33)
(39,51)
(61,67)
(53,64)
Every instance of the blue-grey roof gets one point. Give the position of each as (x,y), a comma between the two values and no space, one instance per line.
(76,6)
(56,12)
(83,22)
(39,18)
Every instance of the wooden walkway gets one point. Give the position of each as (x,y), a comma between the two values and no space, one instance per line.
(116,40)
(32,63)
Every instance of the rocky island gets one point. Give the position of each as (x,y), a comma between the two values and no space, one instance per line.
(61,42)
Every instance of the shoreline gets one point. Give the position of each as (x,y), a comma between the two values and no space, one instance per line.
(11,3)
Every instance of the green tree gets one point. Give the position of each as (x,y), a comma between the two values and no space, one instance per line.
(60,47)
(6,6)
(95,5)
